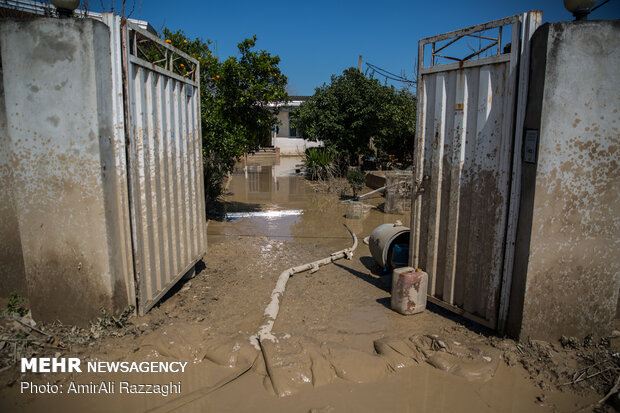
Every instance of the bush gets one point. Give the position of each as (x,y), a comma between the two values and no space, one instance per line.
(357,180)
(15,306)
(320,163)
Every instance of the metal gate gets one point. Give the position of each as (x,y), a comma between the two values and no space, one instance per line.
(161,102)
(468,161)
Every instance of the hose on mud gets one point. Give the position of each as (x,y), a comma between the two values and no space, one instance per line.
(264,332)
(271,312)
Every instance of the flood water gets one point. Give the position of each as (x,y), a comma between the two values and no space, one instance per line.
(270,198)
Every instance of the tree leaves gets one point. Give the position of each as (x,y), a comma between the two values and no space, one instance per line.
(353,108)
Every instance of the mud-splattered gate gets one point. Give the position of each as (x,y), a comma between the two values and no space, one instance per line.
(467,160)
(158,102)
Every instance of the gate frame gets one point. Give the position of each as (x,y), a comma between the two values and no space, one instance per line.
(523,27)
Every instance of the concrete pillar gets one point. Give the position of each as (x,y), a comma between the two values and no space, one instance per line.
(567,266)
(58,133)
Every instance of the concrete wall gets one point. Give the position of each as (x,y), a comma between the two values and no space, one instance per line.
(13,278)
(294,146)
(58,99)
(567,265)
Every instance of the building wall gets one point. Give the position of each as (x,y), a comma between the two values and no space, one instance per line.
(290,145)
(58,99)
(294,146)
(567,266)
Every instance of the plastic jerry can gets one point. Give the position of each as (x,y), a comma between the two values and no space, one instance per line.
(409,287)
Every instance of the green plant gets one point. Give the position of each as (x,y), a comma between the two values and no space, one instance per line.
(320,163)
(357,180)
(346,113)
(15,306)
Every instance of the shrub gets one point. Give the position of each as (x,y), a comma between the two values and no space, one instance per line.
(15,306)
(320,163)
(357,180)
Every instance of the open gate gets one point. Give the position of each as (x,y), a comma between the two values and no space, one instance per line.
(157,92)
(467,160)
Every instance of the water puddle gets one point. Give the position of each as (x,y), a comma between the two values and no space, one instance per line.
(270,198)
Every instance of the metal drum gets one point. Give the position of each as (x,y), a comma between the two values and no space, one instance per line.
(383,239)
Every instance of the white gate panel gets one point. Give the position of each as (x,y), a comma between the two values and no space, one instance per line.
(464,161)
(164,160)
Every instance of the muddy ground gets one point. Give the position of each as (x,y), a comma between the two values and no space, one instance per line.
(339,348)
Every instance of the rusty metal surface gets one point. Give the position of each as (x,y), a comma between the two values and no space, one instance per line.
(463,160)
(165,172)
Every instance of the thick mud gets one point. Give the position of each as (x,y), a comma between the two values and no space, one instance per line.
(339,347)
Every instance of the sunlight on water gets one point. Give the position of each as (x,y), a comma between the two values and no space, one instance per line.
(232,216)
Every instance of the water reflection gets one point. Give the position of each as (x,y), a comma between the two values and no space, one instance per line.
(272,181)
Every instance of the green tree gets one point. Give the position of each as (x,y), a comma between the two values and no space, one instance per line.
(350,110)
(397,121)
(236,117)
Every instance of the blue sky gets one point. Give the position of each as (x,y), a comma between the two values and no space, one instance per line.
(316,39)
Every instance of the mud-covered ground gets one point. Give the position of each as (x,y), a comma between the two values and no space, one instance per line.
(339,345)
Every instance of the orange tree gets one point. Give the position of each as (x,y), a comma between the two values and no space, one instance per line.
(353,108)
(234,96)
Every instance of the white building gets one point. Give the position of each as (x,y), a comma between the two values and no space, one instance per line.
(286,137)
